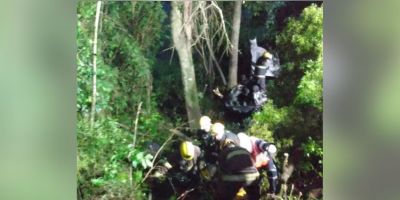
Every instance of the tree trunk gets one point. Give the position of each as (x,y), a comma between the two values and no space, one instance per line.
(233,62)
(181,34)
(94,91)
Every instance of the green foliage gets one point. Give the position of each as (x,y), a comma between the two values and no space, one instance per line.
(169,90)
(144,24)
(310,86)
(105,73)
(102,158)
(267,120)
(270,114)
(126,54)
(140,160)
(262,21)
(312,148)
(153,127)
(127,43)
(128,73)
(106,154)
(105,87)
(266,19)
(259,20)
(300,50)
(293,118)
(301,39)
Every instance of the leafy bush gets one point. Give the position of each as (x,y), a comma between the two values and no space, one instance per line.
(125,55)
(108,165)
(310,87)
(102,160)
(312,148)
(267,120)
(302,38)
(293,118)
(106,156)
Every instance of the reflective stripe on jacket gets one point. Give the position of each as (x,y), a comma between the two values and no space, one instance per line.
(248,178)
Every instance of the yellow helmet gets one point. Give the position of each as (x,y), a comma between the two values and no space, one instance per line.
(267,55)
(205,123)
(187,150)
(217,130)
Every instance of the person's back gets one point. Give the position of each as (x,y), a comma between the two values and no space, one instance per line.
(236,171)
(235,160)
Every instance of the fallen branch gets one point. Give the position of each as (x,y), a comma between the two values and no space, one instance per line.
(162,147)
(183,195)
(155,158)
(218,93)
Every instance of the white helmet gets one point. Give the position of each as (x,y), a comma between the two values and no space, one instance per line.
(245,141)
(218,130)
(272,149)
(205,123)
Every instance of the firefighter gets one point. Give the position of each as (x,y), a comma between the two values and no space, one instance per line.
(220,134)
(236,171)
(262,154)
(261,69)
(204,135)
(206,140)
(190,154)
(198,169)
(178,172)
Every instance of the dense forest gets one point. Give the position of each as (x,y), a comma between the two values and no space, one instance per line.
(143,73)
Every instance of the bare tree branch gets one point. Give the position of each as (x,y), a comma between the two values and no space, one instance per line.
(155,158)
(94,92)
(216,62)
(222,24)
(136,123)
(207,22)
(133,2)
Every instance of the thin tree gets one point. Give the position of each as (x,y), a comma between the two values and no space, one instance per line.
(94,91)
(233,62)
(182,39)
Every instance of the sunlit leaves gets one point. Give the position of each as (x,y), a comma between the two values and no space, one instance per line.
(310,87)
(302,38)
(97,182)
(312,147)
(141,160)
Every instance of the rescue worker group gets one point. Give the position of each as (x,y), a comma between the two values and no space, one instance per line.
(220,162)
